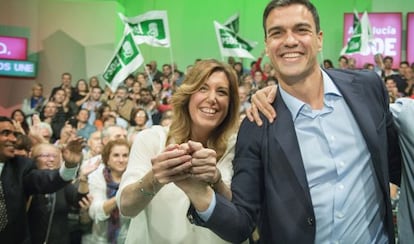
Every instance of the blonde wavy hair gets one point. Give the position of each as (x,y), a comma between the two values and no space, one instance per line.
(180,128)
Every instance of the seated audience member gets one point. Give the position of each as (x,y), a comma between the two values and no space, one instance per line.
(343,62)
(387,68)
(83,128)
(71,106)
(166,118)
(409,77)
(156,88)
(48,213)
(238,67)
(66,82)
(149,104)
(108,225)
(120,104)
(327,64)
(176,79)
(369,66)
(107,94)
(134,92)
(138,122)
(351,63)
(128,81)
(62,114)
(67,134)
(152,70)
(94,82)
(93,103)
(244,99)
(81,94)
(34,103)
(20,122)
(44,130)
(48,112)
(142,79)
(104,113)
(392,89)
(200,141)
(94,145)
(109,133)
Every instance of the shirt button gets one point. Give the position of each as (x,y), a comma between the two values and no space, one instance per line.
(341,187)
(332,138)
(340,215)
(341,164)
(310,221)
(190,218)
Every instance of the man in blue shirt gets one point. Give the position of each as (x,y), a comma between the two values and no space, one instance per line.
(320,172)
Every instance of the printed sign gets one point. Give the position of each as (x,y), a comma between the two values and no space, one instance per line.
(17,68)
(13,48)
(410,37)
(386,29)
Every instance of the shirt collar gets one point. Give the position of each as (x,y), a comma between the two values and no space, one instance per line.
(295,105)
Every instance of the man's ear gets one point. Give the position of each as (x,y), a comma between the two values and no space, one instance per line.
(266,49)
(320,40)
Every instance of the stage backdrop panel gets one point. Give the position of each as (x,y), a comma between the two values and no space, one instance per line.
(410,37)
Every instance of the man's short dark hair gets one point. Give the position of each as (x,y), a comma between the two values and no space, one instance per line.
(5,119)
(283,3)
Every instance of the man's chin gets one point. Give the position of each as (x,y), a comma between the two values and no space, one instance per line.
(10,154)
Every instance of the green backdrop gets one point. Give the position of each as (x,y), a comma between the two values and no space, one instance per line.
(192,31)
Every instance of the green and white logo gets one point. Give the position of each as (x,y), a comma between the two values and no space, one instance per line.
(231,44)
(128,50)
(153,28)
(113,68)
(150,28)
(126,60)
(233,23)
(231,40)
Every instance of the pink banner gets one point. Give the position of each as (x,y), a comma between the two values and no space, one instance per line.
(13,48)
(410,37)
(387,32)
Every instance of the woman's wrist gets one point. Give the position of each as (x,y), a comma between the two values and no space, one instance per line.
(83,178)
(217,180)
(155,186)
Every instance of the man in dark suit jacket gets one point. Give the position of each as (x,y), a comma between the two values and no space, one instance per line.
(320,172)
(66,82)
(20,178)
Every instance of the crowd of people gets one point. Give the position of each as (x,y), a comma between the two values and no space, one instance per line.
(164,143)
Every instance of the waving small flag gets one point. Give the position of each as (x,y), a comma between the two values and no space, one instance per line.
(233,23)
(361,36)
(231,44)
(150,28)
(126,60)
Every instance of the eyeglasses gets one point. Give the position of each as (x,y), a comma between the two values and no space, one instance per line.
(47,155)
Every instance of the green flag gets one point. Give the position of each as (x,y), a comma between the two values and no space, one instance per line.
(125,61)
(361,36)
(150,28)
(231,44)
(233,23)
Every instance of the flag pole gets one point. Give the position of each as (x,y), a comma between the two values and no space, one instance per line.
(171,58)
